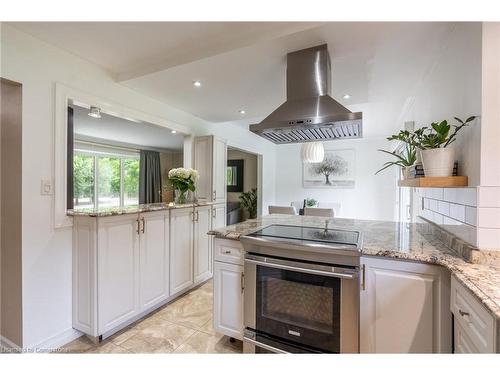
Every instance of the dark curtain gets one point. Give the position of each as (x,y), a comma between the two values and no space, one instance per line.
(150,177)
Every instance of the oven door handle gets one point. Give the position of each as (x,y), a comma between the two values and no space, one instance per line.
(264,346)
(301,269)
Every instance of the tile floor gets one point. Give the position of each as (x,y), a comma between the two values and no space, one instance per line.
(182,326)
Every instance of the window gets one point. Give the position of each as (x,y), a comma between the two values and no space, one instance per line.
(104,180)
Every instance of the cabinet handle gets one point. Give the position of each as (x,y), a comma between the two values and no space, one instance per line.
(463,313)
(143,224)
(197,216)
(137,227)
(363,278)
(242,282)
(214,213)
(227,251)
(214,195)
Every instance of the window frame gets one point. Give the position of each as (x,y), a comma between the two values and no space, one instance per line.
(131,154)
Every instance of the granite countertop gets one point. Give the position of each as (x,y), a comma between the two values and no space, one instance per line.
(112,211)
(410,241)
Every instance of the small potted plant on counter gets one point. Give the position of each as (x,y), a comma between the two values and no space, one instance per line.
(437,157)
(182,180)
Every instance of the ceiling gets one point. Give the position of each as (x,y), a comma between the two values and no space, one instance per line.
(117,131)
(243,65)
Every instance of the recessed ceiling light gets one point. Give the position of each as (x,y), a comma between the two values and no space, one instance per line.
(95,112)
(174,131)
(242,111)
(346,96)
(197,83)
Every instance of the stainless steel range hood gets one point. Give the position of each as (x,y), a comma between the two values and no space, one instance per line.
(309,113)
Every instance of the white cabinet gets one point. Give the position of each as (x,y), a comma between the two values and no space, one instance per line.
(219,170)
(202,244)
(153,258)
(228,287)
(228,299)
(210,154)
(118,270)
(403,307)
(181,249)
(218,216)
(475,327)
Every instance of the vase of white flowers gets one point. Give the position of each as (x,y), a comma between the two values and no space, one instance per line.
(182,180)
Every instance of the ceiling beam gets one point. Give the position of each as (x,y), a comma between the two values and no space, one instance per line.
(256,32)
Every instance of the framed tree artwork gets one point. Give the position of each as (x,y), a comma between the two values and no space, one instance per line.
(235,176)
(337,170)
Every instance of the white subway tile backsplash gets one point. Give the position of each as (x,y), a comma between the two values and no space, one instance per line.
(437,193)
(433,205)
(438,218)
(457,212)
(450,195)
(488,196)
(443,208)
(471,215)
(489,217)
(468,196)
(488,238)
(426,203)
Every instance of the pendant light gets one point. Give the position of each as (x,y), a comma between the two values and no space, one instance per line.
(312,152)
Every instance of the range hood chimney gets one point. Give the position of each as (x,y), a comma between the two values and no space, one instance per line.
(309,114)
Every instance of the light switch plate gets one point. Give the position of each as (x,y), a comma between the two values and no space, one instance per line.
(46,187)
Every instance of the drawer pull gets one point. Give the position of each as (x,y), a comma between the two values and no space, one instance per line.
(463,313)
(227,252)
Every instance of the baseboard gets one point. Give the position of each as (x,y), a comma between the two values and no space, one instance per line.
(5,343)
(56,341)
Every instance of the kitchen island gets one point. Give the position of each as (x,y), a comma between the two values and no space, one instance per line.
(474,287)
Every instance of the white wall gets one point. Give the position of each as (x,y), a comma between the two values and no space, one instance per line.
(373,197)
(452,87)
(47,252)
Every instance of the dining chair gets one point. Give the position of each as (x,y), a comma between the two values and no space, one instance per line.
(323,212)
(287,210)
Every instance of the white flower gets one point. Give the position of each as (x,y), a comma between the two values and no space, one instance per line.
(183,173)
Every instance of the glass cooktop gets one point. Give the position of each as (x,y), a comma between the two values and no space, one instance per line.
(309,234)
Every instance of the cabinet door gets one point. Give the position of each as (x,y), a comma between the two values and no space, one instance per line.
(181,250)
(118,270)
(228,299)
(403,308)
(203,164)
(463,343)
(154,258)
(219,170)
(202,244)
(218,216)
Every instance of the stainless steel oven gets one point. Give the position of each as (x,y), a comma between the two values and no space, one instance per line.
(295,302)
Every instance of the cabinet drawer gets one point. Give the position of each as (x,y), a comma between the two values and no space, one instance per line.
(228,251)
(477,323)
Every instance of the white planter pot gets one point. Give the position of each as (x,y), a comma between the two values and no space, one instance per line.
(438,162)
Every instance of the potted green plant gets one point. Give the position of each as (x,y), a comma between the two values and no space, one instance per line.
(311,202)
(404,160)
(437,157)
(249,201)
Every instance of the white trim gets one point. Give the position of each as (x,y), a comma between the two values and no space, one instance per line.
(6,343)
(63,94)
(56,341)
